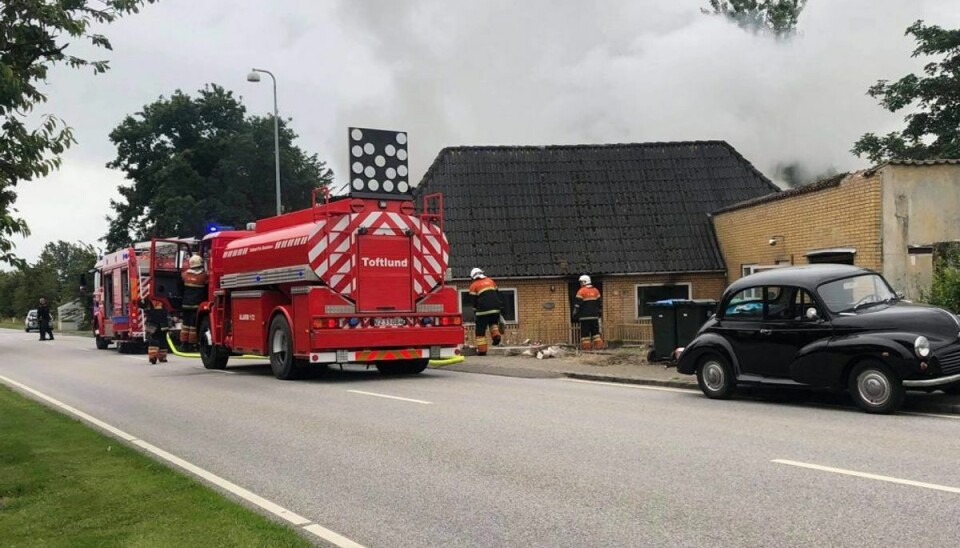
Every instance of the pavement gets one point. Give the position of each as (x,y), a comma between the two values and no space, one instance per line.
(630,366)
(449,458)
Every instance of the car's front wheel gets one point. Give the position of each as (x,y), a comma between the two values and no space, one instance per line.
(716,378)
(876,388)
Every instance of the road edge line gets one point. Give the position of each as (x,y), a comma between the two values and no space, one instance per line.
(194,470)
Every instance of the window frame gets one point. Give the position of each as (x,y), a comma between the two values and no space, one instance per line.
(516,305)
(636,295)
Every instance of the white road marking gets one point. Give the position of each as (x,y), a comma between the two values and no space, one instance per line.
(253,498)
(640,386)
(390,397)
(867,475)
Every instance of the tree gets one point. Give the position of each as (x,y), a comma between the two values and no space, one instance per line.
(67,261)
(945,289)
(933,129)
(34,36)
(192,161)
(777,16)
(55,276)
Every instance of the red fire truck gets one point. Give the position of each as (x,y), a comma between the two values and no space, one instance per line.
(354,280)
(124,277)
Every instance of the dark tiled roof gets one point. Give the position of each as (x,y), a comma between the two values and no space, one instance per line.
(599,209)
(822,184)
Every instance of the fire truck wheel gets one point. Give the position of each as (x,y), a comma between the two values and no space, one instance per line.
(212,356)
(280,344)
(102,343)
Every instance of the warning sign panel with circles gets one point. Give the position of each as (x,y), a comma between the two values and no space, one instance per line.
(378,162)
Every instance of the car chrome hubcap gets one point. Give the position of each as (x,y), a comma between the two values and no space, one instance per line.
(874,387)
(280,345)
(713,376)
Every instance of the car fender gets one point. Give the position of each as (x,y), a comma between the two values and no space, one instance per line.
(703,344)
(828,362)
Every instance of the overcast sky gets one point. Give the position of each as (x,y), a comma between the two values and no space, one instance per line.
(457,72)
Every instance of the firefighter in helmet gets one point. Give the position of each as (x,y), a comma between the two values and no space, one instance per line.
(157,323)
(587,312)
(194,293)
(486,304)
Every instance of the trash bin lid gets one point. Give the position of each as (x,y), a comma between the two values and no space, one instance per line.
(667,302)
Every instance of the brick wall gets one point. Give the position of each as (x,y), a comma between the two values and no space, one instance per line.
(847,215)
(543,309)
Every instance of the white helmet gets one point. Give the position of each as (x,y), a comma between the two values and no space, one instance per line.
(585,280)
(476,273)
(196,261)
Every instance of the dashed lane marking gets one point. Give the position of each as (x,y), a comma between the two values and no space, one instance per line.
(376,395)
(249,496)
(868,475)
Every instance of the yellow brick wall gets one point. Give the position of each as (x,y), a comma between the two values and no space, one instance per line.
(848,215)
(552,325)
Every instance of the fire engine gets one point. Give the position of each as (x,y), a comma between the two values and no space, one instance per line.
(358,279)
(124,277)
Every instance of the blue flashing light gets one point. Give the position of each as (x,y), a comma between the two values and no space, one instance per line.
(354,322)
(427,321)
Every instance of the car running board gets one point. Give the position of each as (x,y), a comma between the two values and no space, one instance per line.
(757,379)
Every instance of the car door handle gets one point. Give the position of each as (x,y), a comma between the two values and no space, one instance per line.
(766,331)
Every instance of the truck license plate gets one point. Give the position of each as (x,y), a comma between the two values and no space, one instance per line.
(389,322)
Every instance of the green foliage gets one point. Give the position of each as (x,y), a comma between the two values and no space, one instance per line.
(945,289)
(55,276)
(933,129)
(778,17)
(196,160)
(34,35)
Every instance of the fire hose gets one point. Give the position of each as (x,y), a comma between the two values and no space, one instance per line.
(180,353)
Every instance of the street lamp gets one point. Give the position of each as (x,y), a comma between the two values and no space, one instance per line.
(254,76)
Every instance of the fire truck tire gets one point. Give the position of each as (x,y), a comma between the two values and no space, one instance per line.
(212,356)
(280,346)
(406,367)
(102,343)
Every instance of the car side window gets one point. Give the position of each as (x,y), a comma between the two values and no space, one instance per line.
(779,305)
(747,305)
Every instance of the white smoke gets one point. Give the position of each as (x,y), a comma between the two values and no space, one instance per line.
(548,72)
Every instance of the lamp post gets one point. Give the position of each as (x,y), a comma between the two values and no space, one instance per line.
(254,76)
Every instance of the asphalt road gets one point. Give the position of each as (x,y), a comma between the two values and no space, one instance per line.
(483,460)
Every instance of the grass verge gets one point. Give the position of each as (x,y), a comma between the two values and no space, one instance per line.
(64,484)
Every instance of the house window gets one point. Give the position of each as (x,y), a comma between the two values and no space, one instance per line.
(652,293)
(507,296)
(748,269)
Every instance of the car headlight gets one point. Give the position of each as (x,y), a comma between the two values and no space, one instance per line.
(921,346)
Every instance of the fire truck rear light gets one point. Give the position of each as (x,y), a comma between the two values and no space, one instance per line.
(444,320)
(457,320)
(325,323)
(427,321)
(354,322)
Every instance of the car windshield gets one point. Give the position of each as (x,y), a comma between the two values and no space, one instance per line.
(856,293)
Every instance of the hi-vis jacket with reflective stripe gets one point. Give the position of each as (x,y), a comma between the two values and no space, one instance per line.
(195,287)
(588,303)
(486,297)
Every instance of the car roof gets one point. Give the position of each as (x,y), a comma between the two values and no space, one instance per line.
(805,276)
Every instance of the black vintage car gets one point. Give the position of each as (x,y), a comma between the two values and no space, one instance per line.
(825,326)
